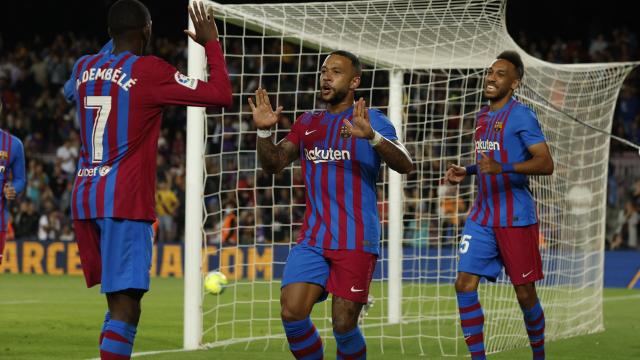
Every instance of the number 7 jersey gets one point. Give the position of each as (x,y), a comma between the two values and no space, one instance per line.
(119,101)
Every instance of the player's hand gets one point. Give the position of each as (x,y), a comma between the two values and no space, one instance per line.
(488,165)
(9,191)
(203,23)
(263,114)
(360,126)
(455,174)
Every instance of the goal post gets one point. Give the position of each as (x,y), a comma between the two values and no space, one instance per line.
(424,67)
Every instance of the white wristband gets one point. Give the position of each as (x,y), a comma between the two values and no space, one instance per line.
(264,133)
(377,138)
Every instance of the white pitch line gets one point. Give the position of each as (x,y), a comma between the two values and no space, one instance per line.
(622,297)
(19,302)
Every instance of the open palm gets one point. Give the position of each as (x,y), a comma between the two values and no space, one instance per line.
(264,116)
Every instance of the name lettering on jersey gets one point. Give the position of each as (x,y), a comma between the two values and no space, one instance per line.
(486,145)
(326,155)
(185,80)
(116,76)
(94,171)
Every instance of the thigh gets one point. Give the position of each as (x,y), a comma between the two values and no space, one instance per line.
(350,274)
(305,264)
(126,254)
(520,253)
(478,252)
(88,239)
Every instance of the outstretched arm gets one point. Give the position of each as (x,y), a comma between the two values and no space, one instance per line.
(273,157)
(392,152)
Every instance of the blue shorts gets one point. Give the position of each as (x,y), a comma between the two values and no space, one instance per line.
(485,250)
(344,273)
(115,253)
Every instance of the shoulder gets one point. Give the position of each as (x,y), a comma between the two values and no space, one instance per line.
(307,117)
(483,110)
(153,66)
(375,115)
(16,141)
(522,110)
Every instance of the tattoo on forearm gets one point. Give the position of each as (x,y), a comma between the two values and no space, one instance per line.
(273,158)
(395,156)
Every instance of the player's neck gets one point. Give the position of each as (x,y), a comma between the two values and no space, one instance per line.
(495,105)
(134,47)
(341,106)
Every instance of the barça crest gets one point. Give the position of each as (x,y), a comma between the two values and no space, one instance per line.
(498,126)
(4,155)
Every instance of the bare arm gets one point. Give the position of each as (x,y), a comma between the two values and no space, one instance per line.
(392,152)
(540,163)
(273,157)
(395,155)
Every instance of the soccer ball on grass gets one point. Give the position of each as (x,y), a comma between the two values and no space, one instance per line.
(215,282)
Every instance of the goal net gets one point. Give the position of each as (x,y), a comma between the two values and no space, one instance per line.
(424,68)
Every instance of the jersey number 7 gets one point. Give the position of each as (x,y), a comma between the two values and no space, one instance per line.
(103,106)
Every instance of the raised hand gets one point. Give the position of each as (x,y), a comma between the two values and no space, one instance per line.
(488,165)
(203,23)
(455,174)
(263,114)
(360,126)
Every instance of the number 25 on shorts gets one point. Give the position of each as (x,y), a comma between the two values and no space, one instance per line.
(464,243)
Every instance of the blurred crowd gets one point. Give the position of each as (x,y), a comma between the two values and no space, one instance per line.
(243,204)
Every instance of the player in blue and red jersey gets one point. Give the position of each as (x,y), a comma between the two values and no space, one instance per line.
(12,178)
(119,95)
(502,227)
(340,150)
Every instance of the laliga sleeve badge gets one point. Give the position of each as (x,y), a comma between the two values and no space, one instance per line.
(185,81)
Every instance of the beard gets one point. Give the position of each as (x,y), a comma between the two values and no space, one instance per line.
(337,97)
(501,94)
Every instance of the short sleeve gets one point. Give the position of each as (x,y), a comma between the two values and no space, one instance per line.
(381,124)
(529,129)
(294,134)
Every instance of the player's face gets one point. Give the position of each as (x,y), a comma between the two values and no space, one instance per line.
(337,79)
(501,80)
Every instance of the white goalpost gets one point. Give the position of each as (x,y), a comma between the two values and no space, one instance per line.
(424,66)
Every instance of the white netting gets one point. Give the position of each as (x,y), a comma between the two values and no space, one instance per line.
(443,47)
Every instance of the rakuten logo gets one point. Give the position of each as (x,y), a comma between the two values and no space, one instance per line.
(94,171)
(325,155)
(484,145)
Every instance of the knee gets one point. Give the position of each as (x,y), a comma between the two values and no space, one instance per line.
(342,325)
(292,313)
(465,286)
(526,298)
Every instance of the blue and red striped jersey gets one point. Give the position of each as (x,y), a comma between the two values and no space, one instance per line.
(11,171)
(340,178)
(119,101)
(505,135)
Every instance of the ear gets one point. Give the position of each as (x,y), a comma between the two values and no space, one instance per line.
(355,83)
(514,84)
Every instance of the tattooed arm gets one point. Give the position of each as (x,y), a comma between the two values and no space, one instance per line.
(273,157)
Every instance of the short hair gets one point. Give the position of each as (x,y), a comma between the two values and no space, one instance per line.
(357,65)
(127,15)
(514,58)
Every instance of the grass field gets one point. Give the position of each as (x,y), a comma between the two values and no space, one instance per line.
(50,317)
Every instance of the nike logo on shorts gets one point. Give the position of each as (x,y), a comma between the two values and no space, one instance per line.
(353,289)
(527,274)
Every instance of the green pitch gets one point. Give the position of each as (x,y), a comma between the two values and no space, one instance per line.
(52,317)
